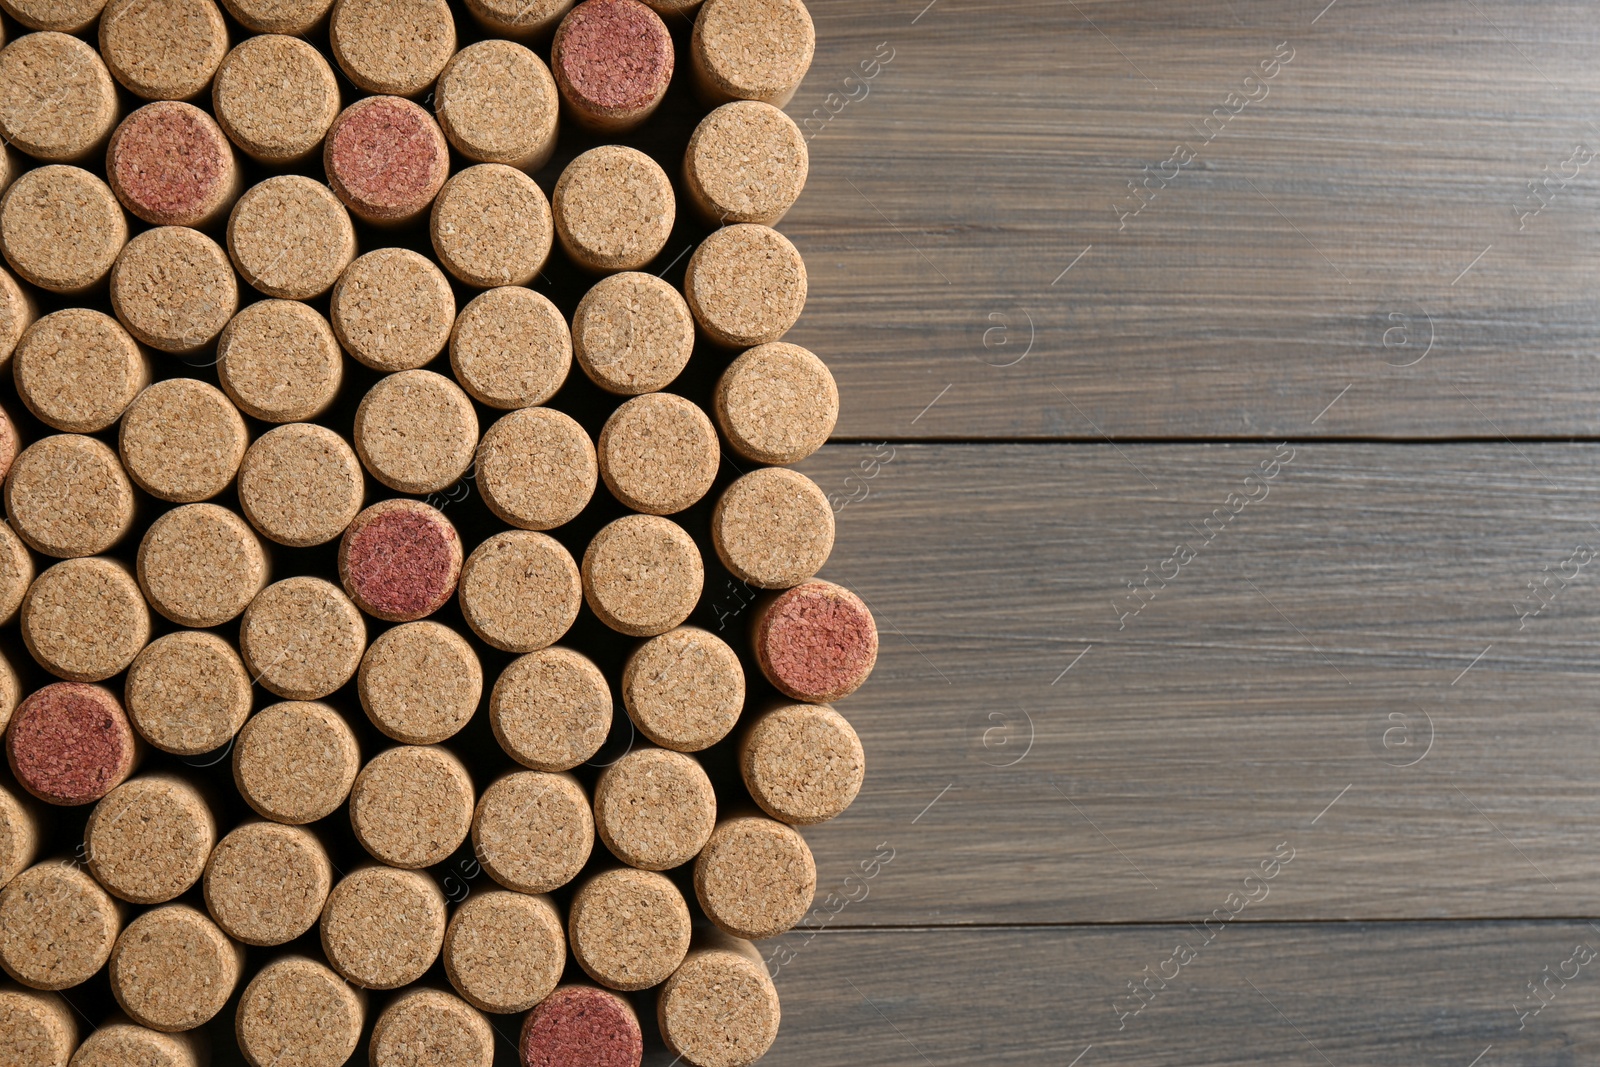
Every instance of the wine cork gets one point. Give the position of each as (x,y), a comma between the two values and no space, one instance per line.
(746,285)
(420,683)
(57,926)
(393,309)
(658,454)
(416,431)
(613,208)
(654,809)
(773,528)
(165,51)
(117,1044)
(149,838)
(16,574)
(36,1029)
(302,638)
(579,1024)
(10,693)
(510,348)
(536,468)
(816,642)
(70,743)
(412,806)
(612,61)
(295,762)
(275,97)
(642,575)
(265,883)
(632,333)
(290,237)
(61,227)
(294,17)
(386,158)
(77,370)
(174,289)
(392,48)
(672,7)
(20,835)
(504,951)
(399,560)
(300,485)
(520,591)
(64,16)
(802,763)
(201,565)
(433,1026)
(755,878)
(551,710)
(17,313)
(297,1013)
(776,404)
(747,162)
(684,690)
(182,440)
(173,969)
(171,165)
(751,50)
(720,1009)
(533,831)
(629,929)
(497,103)
(57,100)
(68,496)
(188,693)
(382,928)
(279,361)
(84,620)
(519,19)
(490,226)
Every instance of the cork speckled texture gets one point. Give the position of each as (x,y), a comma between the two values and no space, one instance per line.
(773,528)
(746,285)
(491,226)
(533,831)
(393,309)
(295,762)
(265,883)
(10,691)
(200,565)
(297,1013)
(40,1028)
(396,47)
(399,560)
(297,17)
(642,575)
(57,927)
(17,313)
(67,496)
(386,158)
(685,689)
(420,683)
(412,806)
(755,878)
(182,440)
(537,468)
(426,1026)
(777,403)
(658,453)
(510,348)
(580,1024)
(654,808)
(382,928)
(70,743)
(802,763)
(720,1009)
(551,710)
(171,165)
(165,51)
(504,951)
(188,693)
(632,333)
(275,97)
(302,638)
(57,100)
(279,361)
(16,574)
(149,838)
(416,431)
(751,50)
(816,642)
(613,209)
(77,370)
(290,237)
(497,103)
(521,19)
(747,162)
(84,619)
(520,591)
(65,16)
(20,834)
(118,1044)
(61,227)
(300,485)
(629,929)
(613,61)
(174,289)
(173,969)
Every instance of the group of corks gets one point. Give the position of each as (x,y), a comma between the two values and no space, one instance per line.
(221,536)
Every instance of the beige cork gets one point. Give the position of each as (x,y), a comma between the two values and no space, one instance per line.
(397,47)
(428,1026)
(300,485)
(120,1043)
(294,17)
(279,361)
(497,103)
(16,574)
(504,951)
(420,683)
(658,453)
(165,51)
(171,165)
(746,285)
(84,620)
(613,61)
(297,1013)
(383,928)
(201,565)
(10,694)
(386,159)
(393,309)
(490,226)
(188,693)
(416,431)
(295,762)
(773,528)
(61,228)
(291,238)
(64,16)
(20,834)
(802,763)
(57,100)
(654,808)
(672,7)
(520,19)
(37,1029)
(642,575)
(77,370)
(174,289)
(613,209)
(684,690)
(68,496)
(400,560)
(536,468)
(755,878)
(629,929)
(182,440)
(720,1009)
(747,162)
(777,403)
(18,311)
(302,638)
(412,806)
(57,926)
(533,831)
(632,333)
(149,838)
(510,348)
(173,969)
(817,642)
(520,591)
(265,883)
(275,98)
(551,709)
(751,50)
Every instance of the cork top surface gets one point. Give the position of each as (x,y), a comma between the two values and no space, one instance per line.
(265,883)
(300,484)
(537,468)
(400,559)
(773,528)
(420,683)
(117,1044)
(382,928)
(393,309)
(612,57)
(802,763)
(754,49)
(491,226)
(520,591)
(504,951)
(10,442)
(188,693)
(200,565)
(533,831)
(642,575)
(777,403)
(149,838)
(719,1009)
(165,51)
(302,638)
(66,16)
(16,313)
(275,96)
(57,100)
(654,808)
(279,361)
(84,620)
(173,969)
(77,370)
(659,453)
(57,926)
(497,103)
(412,806)
(518,18)
(747,162)
(396,47)
(746,285)
(20,833)
(290,237)
(279,16)
(297,1013)
(174,288)
(386,158)
(431,1026)
(295,762)
(816,643)
(16,574)
(67,496)
(613,207)
(632,333)
(61,227)
(510,348)
(416,431)
(182,440)
(630,929)
(171,165)
(551,709)
(581,1025)
(40,1028)
(685,689)
(755,877)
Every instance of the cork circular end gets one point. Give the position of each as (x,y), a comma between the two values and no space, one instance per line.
(16,574)
(279,361)
(629,929)
(275,96)
(188,693)
(166,51)
(17,313)
(497,103)
(755,878)
(613,61)
(297,1011)
(40,1028)
(386,158)
(295,762)
(746,162)
(84,619)
(720,1009)
(265,883)
(393,309)
(172,969)
(57,926)
(504,951)
(420,683)
(537,468)
(400,560)
(300,485)
(174,289)
(658,454)
(816,642)
(642,575)
(290,237)
(411,806)
(685,689)
(63,16)
(171,165)
(491,226)
(385,48)
(382,928)
(57,100)
(149,838)
(777,404)
(416,431)
(182,440)
(520,591)
(302,638)
(70,743)
(746,285)
(117,1044)
(580,1025)
(632,333)
(296,17)
(67,496)
(613,207)
(523,20)
(655,808)
(752,49)
(201,565)
(433,1023)
(20,834)
(61,228)
(511,348)
(77,370)
(802,763)
(551,710)
(533,831)
(773,528)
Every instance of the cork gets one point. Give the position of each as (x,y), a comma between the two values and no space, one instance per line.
(291,238)
(629,929)
(632,333)
(802,763)
(613,207)
(302,638)
(536,468)
(431,1026)
(773,528)
(265,883)
(57,926)
(612,61)
(295,762)
(68,496)
(519,19)
(201,565)
(684,690)
(504,951)
(399,560)
(10,693)
(816,642)
(61,227)
(36,1029)
(416,431)
(77,370)
(297,1013)
(490,226)
(84,620)
(171,165)
(751,50)
(17,313)
(642,575)
(172,969)
(393,309)
(10,441)
(117,1044)
(747,162)
(720,1009)
(279,361)
(776,404)
(755,878)
(520,591)
(187,693)
(510,348)
(174,289)
(672,7)
(551,710)
(382,928)
(57,100)
(20,835)
(149,838)
(392,48)
(533,831)
(294,17)
(582,1026)
(182,440)
(412,806)
(420,683)
(497,103)
(654,809)
(165,51)
(386,158)
(746,286)
(300,485)
(658,453)
(275,96)
(64,16)
(70,743)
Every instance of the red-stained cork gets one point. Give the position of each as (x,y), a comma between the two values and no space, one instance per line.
(612,60)
(816,642)
(400,560)
(581,1026)
(70,743)
(171,165)
(386,158)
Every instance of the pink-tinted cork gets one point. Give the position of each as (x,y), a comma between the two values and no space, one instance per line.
(613,61)
(171,165)
(386,158)
(400,560)
(816,642)
(70,743)
(581,1026)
